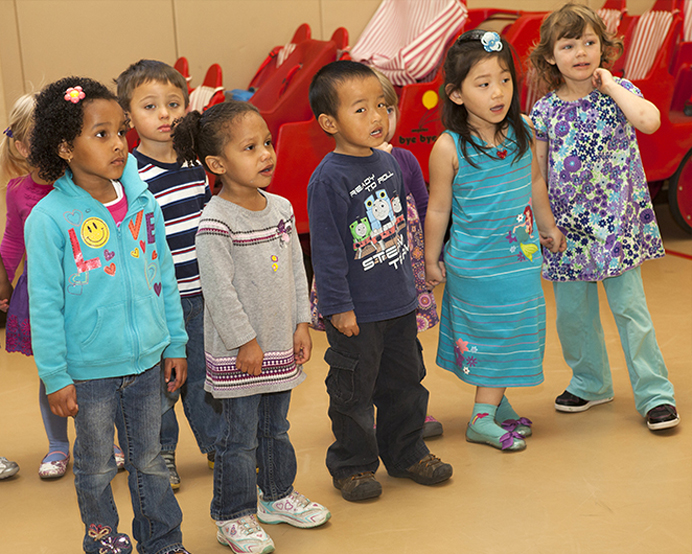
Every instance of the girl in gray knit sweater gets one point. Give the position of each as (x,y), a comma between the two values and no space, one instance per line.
(256,324)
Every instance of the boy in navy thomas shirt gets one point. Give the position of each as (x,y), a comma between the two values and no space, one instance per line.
(154,95)
(365,286)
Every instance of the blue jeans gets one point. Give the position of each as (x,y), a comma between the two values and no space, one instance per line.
(133,404)
(583,343)
(202,410)
(254,435)
(381,366)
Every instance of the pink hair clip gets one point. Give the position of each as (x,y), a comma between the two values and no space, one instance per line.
(74,94)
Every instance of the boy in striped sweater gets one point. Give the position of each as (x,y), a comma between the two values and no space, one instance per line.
(154,95)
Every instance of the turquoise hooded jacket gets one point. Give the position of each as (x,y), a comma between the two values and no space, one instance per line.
(103,299)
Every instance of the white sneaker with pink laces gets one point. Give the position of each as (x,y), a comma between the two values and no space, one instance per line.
(293,509)
(244,535)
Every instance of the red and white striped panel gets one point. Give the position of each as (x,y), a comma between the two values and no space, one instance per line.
(284,53)
(201,96)
(611,18)
(405,39)
(687,13)
(649,34)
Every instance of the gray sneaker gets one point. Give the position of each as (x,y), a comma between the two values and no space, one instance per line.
(174,478)
(7,468)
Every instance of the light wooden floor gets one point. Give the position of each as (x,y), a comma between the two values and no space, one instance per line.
(597,482)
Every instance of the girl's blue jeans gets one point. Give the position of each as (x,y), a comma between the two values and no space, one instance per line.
(583,343)
(133,404)
(254,435)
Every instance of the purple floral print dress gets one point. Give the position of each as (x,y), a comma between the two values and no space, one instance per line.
(597,187)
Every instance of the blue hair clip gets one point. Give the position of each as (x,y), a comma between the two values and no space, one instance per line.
(491,41)
(8,132)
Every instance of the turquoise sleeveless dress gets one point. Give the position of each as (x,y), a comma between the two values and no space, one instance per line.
(492,329)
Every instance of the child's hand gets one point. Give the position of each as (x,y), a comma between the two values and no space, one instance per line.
(346,323)
(385,147)
(63,402)
(250,358)
(435,273)
(177,366)
(302,343)
(546,241)
(602,79)
(5,294)
(553,240)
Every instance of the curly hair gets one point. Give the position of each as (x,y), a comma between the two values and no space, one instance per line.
(569,22)
(12,163)
(462,56)
(198,135)
(58,121)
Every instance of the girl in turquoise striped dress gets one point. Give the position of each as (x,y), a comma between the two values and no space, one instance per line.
(484,173)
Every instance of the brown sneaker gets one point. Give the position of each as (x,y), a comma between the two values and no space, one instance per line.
(429,471)
(359,487)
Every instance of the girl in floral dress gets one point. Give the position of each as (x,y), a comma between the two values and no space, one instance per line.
(588,153)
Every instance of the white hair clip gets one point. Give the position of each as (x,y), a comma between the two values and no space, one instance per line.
(491,41)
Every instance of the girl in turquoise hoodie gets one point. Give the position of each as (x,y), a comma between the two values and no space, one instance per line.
(105,309)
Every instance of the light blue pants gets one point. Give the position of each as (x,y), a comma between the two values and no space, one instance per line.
(583,345)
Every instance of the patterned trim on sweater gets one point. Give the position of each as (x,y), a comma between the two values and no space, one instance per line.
(248,238)
(277,367)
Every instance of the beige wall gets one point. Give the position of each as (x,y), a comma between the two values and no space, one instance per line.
(43,40)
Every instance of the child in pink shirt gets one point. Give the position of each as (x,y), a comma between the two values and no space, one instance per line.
(24,190)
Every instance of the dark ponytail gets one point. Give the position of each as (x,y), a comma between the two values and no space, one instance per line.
(197,135)
(185,133)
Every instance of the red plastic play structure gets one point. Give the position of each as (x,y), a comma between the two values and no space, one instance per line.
(654,46)
(183,67)
(210,92)
(277,56)
(282,98)
(667,154)
(658,59)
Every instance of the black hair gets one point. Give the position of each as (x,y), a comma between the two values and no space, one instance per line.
(198,135)
(462,56)
(324,88)
(145,71)
(57,121)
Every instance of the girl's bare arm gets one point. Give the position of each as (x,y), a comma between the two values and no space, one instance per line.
(641,113)
(443,167)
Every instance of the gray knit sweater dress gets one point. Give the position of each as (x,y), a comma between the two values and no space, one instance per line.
(254,286)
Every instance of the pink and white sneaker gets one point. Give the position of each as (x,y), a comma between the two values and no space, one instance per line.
(293,509)
(55,469)
(431,427)
(244,535)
